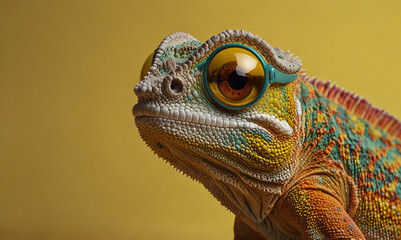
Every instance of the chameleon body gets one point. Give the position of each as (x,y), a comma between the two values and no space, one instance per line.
(307,160)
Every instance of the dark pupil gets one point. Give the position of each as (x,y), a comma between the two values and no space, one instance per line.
(237,80)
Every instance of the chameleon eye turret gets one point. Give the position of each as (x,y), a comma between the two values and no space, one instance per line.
(236,76)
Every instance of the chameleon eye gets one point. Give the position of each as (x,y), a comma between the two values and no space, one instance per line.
(234,76)
(146,65)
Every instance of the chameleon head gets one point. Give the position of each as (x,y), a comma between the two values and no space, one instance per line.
(226,109)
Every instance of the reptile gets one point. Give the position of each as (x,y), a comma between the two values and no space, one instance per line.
(292,156)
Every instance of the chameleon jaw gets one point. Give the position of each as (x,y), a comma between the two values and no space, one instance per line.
(226,179)
(159,133)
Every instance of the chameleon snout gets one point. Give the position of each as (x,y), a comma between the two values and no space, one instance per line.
(170,87)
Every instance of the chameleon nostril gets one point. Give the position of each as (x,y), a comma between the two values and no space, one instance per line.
(176,86)
(173,86)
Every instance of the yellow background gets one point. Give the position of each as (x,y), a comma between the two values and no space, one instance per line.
(72,165)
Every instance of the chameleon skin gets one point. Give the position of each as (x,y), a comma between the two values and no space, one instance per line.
(365,152)
(307,161)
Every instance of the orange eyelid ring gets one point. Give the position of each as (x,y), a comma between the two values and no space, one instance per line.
(270,75)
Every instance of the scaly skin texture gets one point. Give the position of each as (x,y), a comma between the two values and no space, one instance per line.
(307,161)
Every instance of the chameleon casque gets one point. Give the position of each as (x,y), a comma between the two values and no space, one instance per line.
(291,156)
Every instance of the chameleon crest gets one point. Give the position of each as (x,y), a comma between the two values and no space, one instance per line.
(291,157)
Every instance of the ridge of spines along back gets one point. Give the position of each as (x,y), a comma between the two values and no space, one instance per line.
(357,105)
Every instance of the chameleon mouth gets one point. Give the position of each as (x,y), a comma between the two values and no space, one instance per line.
(207,119)
(203,118)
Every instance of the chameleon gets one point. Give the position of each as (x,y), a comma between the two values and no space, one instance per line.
(291,156)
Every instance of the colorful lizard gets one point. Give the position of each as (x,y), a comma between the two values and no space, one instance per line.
(291,156)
